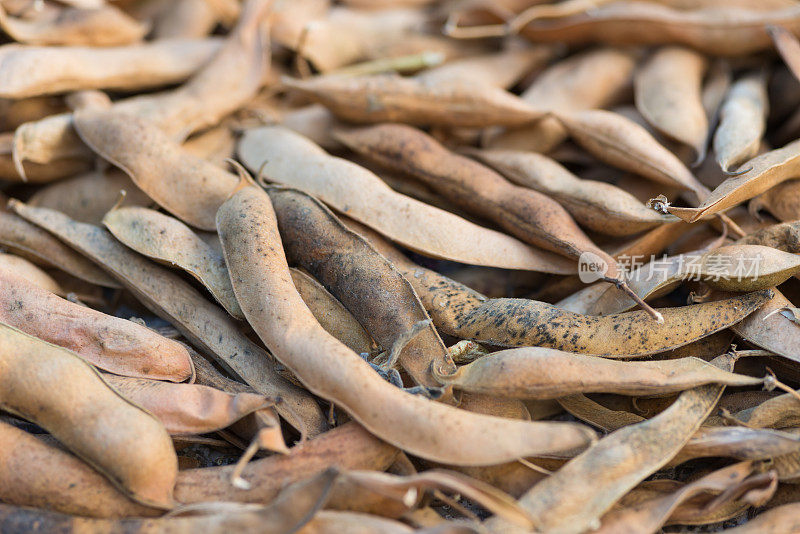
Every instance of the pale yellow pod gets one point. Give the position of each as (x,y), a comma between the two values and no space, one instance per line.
(743,121)
(61,69)
(668,93)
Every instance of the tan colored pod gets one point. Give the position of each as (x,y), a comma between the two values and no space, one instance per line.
(169,241)
(65,395)
(527,214)
(668,94)
(331,314)
(103,26)
(391,98)
(566,503)
(36,474)
(501,69)
(296,505)
(624,144)
(723,31)
(290,159)
(512,322)
(170,297)
(33,243)
(18,266)
(259,272)
(61,69)
(223,85)
(110,343)
(363,280)
(187,186)
(188,408)
(88,197)
(763,172)
(597,205)
(589,80)
(540,373)
(742,123)
(347,447)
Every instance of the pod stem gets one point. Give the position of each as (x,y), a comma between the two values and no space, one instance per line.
(621,285)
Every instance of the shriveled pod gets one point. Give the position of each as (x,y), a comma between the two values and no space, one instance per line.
(33,243)
(34,473)
(88,197)
(623,143)
(185,185)
(720,31)
(464,313)
(739,267)
(62,393)
(598,206)
(784,236)
(261,280)
(169,241)
(763,172)
(61,69)
(782,518)
(231,78)
(290,159)
(347,447)
(769,329)
(527,214)
(328,522)
(502,69)
(108,342)
(296,505)
(777,412)
(363,280)
(102,26)
(18,266)
(170,297)
(565,502)
(645,514)
(743,120)
(589,80)
(668,94)
(188,408)
(540,373)
(331,314)
(391,98)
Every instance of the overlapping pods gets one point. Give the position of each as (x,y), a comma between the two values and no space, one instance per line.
(248,229)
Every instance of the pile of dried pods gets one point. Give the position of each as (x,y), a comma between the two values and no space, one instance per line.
(392,266)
